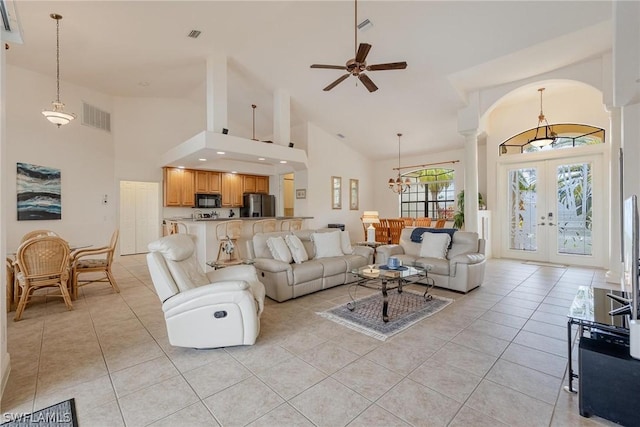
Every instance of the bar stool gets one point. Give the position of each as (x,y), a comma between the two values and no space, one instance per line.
(228,233)
(264,226)
(291,224)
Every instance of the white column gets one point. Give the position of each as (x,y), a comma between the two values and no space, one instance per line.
(281,117)
(4,356)
(216,83)
(471,181)
(615,255)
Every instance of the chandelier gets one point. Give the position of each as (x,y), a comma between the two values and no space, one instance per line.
(56,114)
(549,135)
(397,185)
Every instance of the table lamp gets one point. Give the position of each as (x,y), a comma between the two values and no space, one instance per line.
(370,217)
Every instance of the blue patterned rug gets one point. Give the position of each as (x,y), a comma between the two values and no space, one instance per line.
(404,310)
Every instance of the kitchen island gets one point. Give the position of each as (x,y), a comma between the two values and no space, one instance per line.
(207,243)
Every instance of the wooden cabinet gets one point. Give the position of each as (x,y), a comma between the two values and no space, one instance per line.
(207,182)
(255,184)
(179,187)
(231,190)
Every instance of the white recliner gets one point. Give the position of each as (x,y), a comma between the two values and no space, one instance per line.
(218,309)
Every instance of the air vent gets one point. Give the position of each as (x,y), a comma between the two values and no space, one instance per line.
(94,117)
(365,25)
(194,34)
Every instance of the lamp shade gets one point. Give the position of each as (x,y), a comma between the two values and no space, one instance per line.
(370,217)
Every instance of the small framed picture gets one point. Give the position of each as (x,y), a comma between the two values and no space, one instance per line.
(301,193)
(336,192)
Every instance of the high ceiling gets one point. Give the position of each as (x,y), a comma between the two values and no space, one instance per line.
(141,49)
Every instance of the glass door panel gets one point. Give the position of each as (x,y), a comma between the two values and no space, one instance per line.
(574,209)
(522,200)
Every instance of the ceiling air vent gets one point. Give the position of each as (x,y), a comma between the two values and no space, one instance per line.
(94,117)
(194,34)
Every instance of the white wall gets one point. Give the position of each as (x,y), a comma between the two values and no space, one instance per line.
(329,157)
(84,155)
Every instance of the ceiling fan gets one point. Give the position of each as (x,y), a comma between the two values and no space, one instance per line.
(356,66)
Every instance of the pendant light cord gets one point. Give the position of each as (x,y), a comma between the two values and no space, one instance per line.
(355,30)
(58,60)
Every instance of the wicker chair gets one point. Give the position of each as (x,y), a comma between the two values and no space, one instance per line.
(37,233)
(85,261)
(43,262)
(228,233)
(422,222)
(441,223)
(395,229)
(382,231)
(264,226)
(408,221)
(291,224)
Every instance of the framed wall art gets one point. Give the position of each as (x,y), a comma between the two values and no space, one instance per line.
(336,192)
(38,192)
(353,194)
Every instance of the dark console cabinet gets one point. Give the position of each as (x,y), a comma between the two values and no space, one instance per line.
(609,384)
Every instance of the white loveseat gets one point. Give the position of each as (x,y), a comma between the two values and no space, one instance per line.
(284,280)
(218,309)
(461,269)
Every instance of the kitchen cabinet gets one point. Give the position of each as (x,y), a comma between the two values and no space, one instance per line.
(231,184)
(255,184)
(207,182)
(179,187)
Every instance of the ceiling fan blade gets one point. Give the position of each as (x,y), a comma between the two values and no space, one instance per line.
(336,82)
(331,67)
(389,66)
(363,51)
(366,81)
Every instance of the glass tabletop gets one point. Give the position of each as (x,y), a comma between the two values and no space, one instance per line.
(381,270)
(593,305)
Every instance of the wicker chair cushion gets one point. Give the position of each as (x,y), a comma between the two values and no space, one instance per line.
(92,263)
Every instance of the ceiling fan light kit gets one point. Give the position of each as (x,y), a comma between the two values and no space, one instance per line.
(56,114)
(358,65)
(549,136)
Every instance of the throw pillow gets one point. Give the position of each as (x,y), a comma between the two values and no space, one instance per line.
(327,244)
(345,243)
(279,249)
(434,245)
(298,251)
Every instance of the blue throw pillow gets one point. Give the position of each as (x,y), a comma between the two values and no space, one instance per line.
(416,234)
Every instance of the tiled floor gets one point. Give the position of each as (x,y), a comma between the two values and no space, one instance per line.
(496,356)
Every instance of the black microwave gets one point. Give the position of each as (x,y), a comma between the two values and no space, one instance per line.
(208,201)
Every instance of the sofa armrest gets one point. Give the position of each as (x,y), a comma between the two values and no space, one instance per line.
(233,272)
(468,258)
(363,251)
(271,265)
(214,293)
(389,250)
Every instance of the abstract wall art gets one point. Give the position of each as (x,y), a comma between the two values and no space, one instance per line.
(38,190)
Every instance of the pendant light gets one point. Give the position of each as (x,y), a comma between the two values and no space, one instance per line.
(546,137)
(397,185)
(57,115)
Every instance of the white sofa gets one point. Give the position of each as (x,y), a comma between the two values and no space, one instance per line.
(218,309)
(461,270)
(284,281)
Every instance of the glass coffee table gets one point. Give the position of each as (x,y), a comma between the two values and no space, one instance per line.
(384,279)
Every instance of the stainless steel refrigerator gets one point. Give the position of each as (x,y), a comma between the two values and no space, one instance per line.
(258,205)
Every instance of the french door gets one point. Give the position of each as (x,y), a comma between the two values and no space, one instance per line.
(553,211)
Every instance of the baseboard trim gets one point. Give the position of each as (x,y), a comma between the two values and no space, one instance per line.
(6,370)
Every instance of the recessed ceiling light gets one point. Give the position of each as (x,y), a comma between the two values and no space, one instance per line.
(283,161)
(203,160)
(260,158)
(220,152)
(194,34)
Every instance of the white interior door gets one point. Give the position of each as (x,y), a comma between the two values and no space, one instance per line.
(139,216)
(127,217)
(553,211)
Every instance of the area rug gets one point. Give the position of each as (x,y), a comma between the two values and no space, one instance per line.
(404,310)
(61,414)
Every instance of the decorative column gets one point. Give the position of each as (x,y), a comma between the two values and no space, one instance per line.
(281,117)
(615,226)
(216,83)
(471,181)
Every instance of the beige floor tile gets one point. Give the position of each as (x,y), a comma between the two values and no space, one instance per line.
(300,342)
(196,415)
(446,379)
(546,329)
(526,380)
(492,329)
(291,377)
(481,342)
(237,405)
(330,404)
(328,357)
(218,375)
(519,302)
(504,319)
(419,405)
(186,359)
(468,417)
(367,378)
(260,356)
(105,415)
(554,319)
(355,342)
(541,342)
(374,415)
(552,309)
(156,402)
(509,406)
(461,357)
(87,395)
(142,375)
(398,358)
(536,359)
(512,310)
(283,415)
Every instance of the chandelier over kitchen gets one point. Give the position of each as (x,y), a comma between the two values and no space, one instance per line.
(57,115)
(397,185)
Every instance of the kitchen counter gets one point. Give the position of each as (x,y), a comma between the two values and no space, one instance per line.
(279,218)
